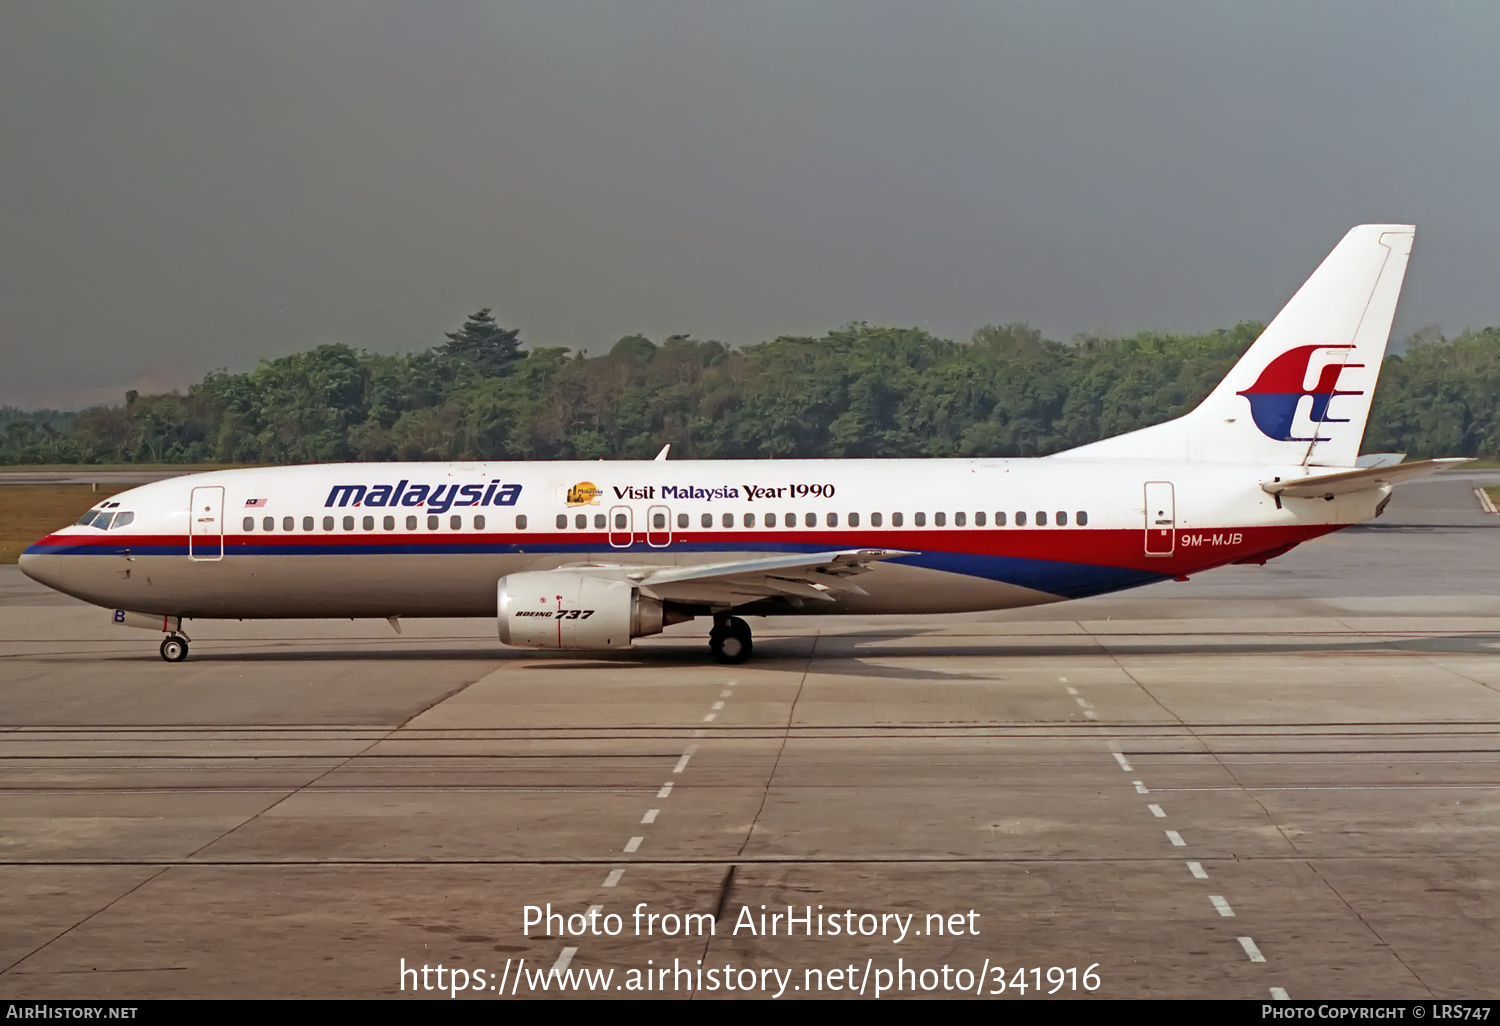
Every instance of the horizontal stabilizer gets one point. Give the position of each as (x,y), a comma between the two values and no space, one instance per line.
(1327,485)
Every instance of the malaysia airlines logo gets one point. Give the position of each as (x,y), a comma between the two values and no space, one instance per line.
(1278,392)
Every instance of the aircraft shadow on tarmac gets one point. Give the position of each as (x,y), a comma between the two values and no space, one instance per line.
(845,655)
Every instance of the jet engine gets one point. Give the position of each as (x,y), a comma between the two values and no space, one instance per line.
(565,609)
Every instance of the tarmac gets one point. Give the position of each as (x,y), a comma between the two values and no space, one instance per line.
(1263,782)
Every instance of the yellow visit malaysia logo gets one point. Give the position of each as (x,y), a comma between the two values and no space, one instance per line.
(584,493)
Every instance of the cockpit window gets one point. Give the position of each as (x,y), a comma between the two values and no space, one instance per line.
(121,519)
(88,518)
(102,521)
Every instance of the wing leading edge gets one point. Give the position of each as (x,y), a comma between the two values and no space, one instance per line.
(821,576)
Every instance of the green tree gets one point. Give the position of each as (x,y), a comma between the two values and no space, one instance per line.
(484,345)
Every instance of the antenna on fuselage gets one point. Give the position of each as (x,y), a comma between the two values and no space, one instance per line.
(661,457)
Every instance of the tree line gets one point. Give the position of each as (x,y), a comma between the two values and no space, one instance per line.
(859,391)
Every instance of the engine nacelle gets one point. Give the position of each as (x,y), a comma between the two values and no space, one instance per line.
(563,609)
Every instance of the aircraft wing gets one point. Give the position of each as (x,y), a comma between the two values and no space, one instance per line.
(821,576)
(1356,480)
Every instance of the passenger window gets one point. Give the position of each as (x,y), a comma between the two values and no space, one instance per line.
(999,519)
(853,519)
(1020,519)
(562,521)
(708,520)
(599,521)
(960,519)
(268,524)
(728,520)
(791,520)
(348,523)
(288,524)
(369,523)
(1062,518)
(896,519)
(328,523)
(682,520)
(1082,519)
(658,521)
(770,519)
(479,522)
(249,523)
(920,519)
(456,523)
(121,519)
(387,523)
(432,522)
(581,521)
(411,523)
(521,521)
(875,519)
(1041,518)
(940,520)
(750,519)
(978,519)
(307,523)
(832,520)
(619,521)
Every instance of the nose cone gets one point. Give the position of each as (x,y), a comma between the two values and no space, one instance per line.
(39,566)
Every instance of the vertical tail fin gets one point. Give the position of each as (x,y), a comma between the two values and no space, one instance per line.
(1301,393)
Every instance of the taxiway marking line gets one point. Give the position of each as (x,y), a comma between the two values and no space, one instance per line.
(633,845)
(1251,949)
(1124,765)
(666,789)
(1140,788)
(613,879)
(717,706)
(1156,810)
(1279,994)
(682,762)
(1222,905)
(1176,839)
(564,959)
(710,717)
(650,816)
(1196,868)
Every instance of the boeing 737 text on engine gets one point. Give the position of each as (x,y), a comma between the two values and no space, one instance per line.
(594,555)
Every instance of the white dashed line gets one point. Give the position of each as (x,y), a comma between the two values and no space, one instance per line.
(1072,691)
(562,960)
(666,789)
(699,733)
(594,910)
(1251,949)
(1089,714)
(682,762)
(650,816)
(1140,788)
(1120,758)
(1156,811)
(725,693)
(717,705)
(1176,839)
(710,717)
(1279,994)
(1221,905)
(613,879)
(633,844)
(1196,868)
(1082,704)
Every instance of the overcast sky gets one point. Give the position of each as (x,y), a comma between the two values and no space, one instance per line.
(185,186)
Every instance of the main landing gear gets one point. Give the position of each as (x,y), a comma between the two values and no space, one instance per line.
(174,649)
(729,641)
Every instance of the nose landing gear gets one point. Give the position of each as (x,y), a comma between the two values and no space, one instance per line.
(174,649)
(729,641)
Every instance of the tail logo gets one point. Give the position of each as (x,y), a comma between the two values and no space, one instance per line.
(1279,390)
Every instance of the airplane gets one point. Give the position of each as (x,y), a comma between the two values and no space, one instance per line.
(593,555)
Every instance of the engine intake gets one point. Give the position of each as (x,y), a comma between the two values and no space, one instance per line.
(566,610)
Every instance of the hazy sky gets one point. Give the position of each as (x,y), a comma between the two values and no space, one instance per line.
(200,184)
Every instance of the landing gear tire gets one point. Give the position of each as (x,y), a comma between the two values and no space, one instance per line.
(730,641)
(174,649)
